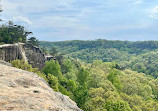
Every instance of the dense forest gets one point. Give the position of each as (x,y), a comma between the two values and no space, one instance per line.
(99,86)
(139,56)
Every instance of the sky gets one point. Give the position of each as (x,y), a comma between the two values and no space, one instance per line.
(59,20)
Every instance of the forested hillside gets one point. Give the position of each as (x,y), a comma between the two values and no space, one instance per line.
(100,86)
(103,85)
(139,56)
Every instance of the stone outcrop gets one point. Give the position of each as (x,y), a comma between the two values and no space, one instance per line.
(49,57)
(10,52)
(28,52)
(5,63)
(26,91)
(34,56)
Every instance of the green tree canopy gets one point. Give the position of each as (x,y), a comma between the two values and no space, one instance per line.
(10,33)
(33,41)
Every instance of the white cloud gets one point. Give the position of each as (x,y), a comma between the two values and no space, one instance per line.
(135,2)
(154,13)
(138,2)
(155,10)
(22,19)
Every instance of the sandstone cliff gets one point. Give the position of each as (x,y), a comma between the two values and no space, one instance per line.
(28,52)
(26,91)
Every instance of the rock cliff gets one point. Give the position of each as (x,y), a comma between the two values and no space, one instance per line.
(26,91)
(28,52)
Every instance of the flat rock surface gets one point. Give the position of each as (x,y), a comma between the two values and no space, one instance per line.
(26,91)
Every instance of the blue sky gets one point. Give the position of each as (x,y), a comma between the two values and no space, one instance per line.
(58,20)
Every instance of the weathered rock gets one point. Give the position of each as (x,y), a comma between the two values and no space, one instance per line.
(49,57)
(26,91)
(10,52)
(34,56)
(5,63)
(28,52)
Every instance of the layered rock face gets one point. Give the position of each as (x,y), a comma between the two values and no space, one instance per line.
(10,52)
(34,56)
(26,91)
(28,52)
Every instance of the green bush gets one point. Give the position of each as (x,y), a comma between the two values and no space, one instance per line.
(117,105)
(21,64)
(53,82)
(52,67)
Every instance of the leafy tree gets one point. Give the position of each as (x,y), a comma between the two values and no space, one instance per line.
(82,77)
(63,90)
(52,67)
(81,95)
(33,41)
(71,85)
(67,66)
(10,33)
(53,82)
(60,58)
(53,51)
(113,77)
(117,105)
(44,50)
(95,104)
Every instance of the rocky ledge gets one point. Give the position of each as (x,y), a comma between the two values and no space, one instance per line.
(25,91)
